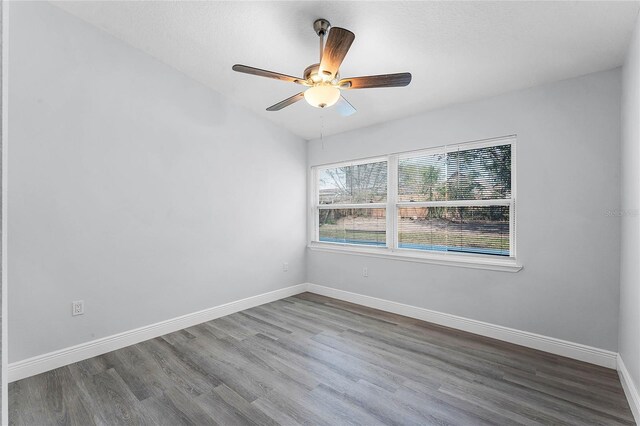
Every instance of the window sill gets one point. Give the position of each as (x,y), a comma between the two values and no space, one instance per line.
(450,259)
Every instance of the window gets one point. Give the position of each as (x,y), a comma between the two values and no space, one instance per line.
(352,204)
(452,202)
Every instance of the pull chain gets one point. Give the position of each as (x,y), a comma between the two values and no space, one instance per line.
(322,130)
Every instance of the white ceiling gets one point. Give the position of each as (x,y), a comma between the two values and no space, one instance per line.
(456,51)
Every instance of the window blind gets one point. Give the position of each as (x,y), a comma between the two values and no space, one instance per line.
(354,184)
(471,174)
(456,176)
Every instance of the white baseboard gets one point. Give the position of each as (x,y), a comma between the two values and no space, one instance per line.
(630,389)
(41,363)
(552,345)
(49,361)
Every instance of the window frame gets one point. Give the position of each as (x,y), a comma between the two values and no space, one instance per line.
(391,250)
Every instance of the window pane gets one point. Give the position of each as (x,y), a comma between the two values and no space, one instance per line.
(423,228)
(353,226)
(422,178)
(362,183)
(479,230)
(472,174)
(479,174)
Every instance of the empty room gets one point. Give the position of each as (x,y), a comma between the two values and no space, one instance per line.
(321,213)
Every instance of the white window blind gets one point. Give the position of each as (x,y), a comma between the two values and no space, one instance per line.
(456,200)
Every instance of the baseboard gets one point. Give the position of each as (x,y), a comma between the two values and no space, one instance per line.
(552,345)
(630,389)
(39,364)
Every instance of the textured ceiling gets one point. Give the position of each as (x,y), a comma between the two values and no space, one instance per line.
(456,51)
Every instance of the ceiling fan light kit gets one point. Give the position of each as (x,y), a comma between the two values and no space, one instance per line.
(322,95)
(323,79)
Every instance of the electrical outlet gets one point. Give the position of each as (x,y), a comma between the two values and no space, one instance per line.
(365,272)
(77,307)
(285,267)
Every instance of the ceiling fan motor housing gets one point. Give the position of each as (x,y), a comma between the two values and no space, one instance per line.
(313,72)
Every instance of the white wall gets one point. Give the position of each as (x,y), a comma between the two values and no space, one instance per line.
(568,157)
(630,251)
(134,188)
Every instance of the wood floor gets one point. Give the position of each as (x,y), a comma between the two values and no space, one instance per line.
(313,360)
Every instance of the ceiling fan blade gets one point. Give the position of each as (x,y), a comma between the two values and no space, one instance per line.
(282,104)
(335,50)
(264,73)
(344,108)
(372,81)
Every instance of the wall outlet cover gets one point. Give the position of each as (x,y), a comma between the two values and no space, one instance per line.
(77,307)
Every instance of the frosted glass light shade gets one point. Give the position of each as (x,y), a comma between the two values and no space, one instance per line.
(322,96)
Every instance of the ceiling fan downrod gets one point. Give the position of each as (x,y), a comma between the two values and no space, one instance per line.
(321,27)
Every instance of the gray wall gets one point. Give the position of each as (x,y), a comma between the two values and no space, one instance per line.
(630,252)
(568,157)
(135,189)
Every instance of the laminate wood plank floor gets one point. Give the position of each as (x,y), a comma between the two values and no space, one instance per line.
(313,360)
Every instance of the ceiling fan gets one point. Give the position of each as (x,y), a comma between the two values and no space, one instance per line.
(323,80)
